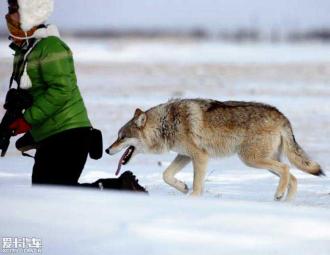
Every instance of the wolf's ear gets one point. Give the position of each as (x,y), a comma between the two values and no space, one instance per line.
(140,118)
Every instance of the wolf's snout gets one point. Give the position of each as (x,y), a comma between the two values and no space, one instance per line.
(111,150)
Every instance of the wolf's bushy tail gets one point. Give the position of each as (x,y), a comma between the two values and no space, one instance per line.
(296,155)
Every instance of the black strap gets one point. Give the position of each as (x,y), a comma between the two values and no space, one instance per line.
(27,155)
(11,81)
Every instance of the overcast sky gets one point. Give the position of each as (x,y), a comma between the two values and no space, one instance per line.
(185,14)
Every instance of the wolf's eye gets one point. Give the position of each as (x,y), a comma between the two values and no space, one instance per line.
(122,136)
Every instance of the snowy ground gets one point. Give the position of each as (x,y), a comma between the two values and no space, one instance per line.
(237,214)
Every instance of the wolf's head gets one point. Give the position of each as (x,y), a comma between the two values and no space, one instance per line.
(130,136)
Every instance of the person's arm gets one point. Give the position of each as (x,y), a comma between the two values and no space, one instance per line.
(57,72)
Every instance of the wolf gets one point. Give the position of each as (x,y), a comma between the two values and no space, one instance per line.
(200,129)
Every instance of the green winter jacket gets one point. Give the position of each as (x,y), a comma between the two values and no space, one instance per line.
(57,102)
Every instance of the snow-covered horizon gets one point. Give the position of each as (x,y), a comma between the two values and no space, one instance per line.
(188,52)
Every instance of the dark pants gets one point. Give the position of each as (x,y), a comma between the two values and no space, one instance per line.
(61,158)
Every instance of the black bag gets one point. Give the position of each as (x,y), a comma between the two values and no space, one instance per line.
(95,144)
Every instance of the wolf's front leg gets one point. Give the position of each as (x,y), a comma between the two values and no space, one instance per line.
(176,166)
(200,166)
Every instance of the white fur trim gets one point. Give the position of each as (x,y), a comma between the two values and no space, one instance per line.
(34,12)
(50,30)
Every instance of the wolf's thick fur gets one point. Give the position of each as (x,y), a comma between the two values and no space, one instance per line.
(198,129)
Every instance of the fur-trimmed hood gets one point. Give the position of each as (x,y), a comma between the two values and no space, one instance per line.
(34,12)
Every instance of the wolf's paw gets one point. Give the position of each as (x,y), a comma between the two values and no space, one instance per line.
(195,194)
(289,198)
(292,191)
(279,196)
(184,189)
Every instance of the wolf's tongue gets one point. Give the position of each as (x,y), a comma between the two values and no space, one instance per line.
(118,168)
(121,162)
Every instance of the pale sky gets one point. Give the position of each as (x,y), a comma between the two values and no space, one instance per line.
(212,15)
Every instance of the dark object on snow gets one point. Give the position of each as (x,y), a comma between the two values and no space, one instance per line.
(130,182)
(16,101)
(127,182)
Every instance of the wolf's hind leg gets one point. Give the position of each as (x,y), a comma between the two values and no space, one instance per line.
(278,168)
(292,188)
(176,166)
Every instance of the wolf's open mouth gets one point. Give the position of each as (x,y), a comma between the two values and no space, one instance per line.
(125,158)
(127,155)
